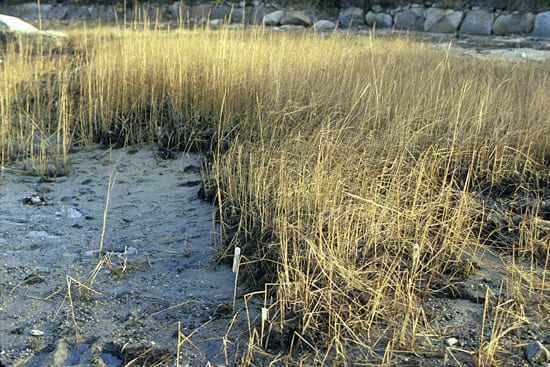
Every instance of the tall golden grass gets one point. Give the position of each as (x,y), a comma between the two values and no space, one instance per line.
(348,168)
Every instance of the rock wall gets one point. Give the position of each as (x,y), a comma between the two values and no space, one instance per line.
(424,18)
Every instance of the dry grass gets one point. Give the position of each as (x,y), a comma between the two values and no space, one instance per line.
(359,175)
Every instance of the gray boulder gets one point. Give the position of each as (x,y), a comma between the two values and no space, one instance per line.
(78,12)
(478,22)
(103,12)
(215,23)
(239,16)
(182,11)
(542,24)
(296,17)
(274,18)
(291,27)
(13,24)
(380,20)
(376,8)
(442,20)
(201,12)
(31,10)
(507,24)
(324,25)
(351,17)
(13,29)
(258,13)
(411,19)
(58,12)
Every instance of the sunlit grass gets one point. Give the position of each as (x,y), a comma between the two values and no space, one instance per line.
(348,168)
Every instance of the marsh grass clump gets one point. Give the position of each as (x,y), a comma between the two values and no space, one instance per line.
(360,176)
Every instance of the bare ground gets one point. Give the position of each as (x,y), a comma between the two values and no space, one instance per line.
(58,307)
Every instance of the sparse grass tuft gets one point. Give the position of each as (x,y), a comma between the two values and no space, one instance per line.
(360,176)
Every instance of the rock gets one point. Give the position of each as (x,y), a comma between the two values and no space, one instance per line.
(376,8)
(478,22)
(236,26)
(274,18)
(542,24)
(13,24)
(507,24)
(59,12)
(536,353)
(78,12)
(55,40)
(238,16)
(380,20)
(13,29)
(324,25)
(215,23)
(32,11)
(291,27)
(410,19)
(103,12)
(296,17)
(258,13)
(451,341)
(183,11)
(351,17)
(70,212)
(442,20)
(199,12)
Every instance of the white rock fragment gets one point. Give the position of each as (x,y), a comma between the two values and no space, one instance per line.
(451,342)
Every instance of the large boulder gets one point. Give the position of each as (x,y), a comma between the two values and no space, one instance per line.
(507,24)
(22,34)
(296,17)
(410,19)
(324,25)
(59,12)
(274,18)
(103,12)
(13,24)
(218,12)
(78,12)
(478,22)
(351,17)
(380,20)
(31,10)
(239,15)
(258,13)
(442,20)
(542,24)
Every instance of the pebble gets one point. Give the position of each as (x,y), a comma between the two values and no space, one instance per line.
(451,341)
(536,353)
(36,332)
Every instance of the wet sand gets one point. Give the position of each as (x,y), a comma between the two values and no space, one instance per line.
(58,307)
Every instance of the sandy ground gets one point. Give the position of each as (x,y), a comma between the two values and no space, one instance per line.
(157,275)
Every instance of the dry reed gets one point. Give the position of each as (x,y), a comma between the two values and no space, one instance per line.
(350,169)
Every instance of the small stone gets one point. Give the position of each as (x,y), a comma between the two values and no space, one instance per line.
(36,332)
(451,341)
(377,8)
(536,353)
